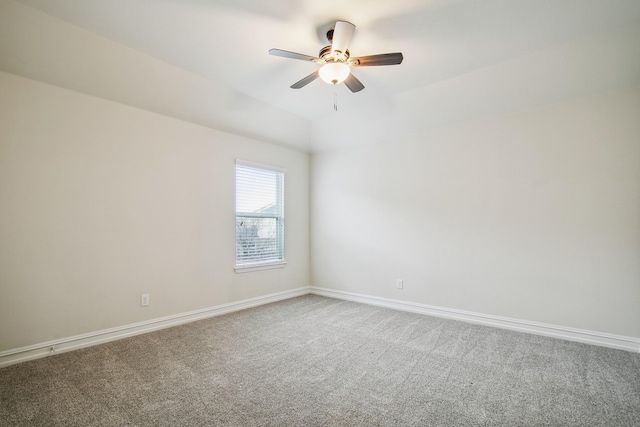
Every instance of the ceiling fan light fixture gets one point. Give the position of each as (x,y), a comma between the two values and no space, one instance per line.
(335,59)
(334,72)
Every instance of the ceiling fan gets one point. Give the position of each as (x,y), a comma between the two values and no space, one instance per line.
(336,59)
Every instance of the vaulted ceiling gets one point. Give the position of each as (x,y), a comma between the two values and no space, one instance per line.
(207,61)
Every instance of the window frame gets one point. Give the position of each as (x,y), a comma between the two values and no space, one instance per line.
(280,219)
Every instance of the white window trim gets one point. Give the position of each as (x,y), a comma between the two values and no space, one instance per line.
(260,166)
(260,266)
(266,265)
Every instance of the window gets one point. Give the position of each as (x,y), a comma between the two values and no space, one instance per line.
(259,216)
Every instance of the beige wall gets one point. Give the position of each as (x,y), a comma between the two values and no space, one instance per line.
(100,202)
(532,216)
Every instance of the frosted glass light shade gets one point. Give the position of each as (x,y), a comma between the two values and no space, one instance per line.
(334,72)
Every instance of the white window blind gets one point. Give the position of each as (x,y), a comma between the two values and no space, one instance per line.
(259,214)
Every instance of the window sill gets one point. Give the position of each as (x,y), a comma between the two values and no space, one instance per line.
(257,267)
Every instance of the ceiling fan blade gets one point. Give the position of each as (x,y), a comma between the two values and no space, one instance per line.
(302,83)
(342,33)
(292,55)
(353,83)
(372,60)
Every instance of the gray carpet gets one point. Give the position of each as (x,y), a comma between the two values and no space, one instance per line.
(315,361)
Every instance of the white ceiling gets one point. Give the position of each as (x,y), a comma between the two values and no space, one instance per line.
(206,61)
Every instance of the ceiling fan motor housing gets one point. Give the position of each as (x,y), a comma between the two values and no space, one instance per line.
(337,56)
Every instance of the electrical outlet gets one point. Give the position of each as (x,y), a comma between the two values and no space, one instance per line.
(144,300)
(399,283)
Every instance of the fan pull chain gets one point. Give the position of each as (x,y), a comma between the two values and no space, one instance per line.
(335,100)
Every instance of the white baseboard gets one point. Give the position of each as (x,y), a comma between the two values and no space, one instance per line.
(36,351)
(571,334)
